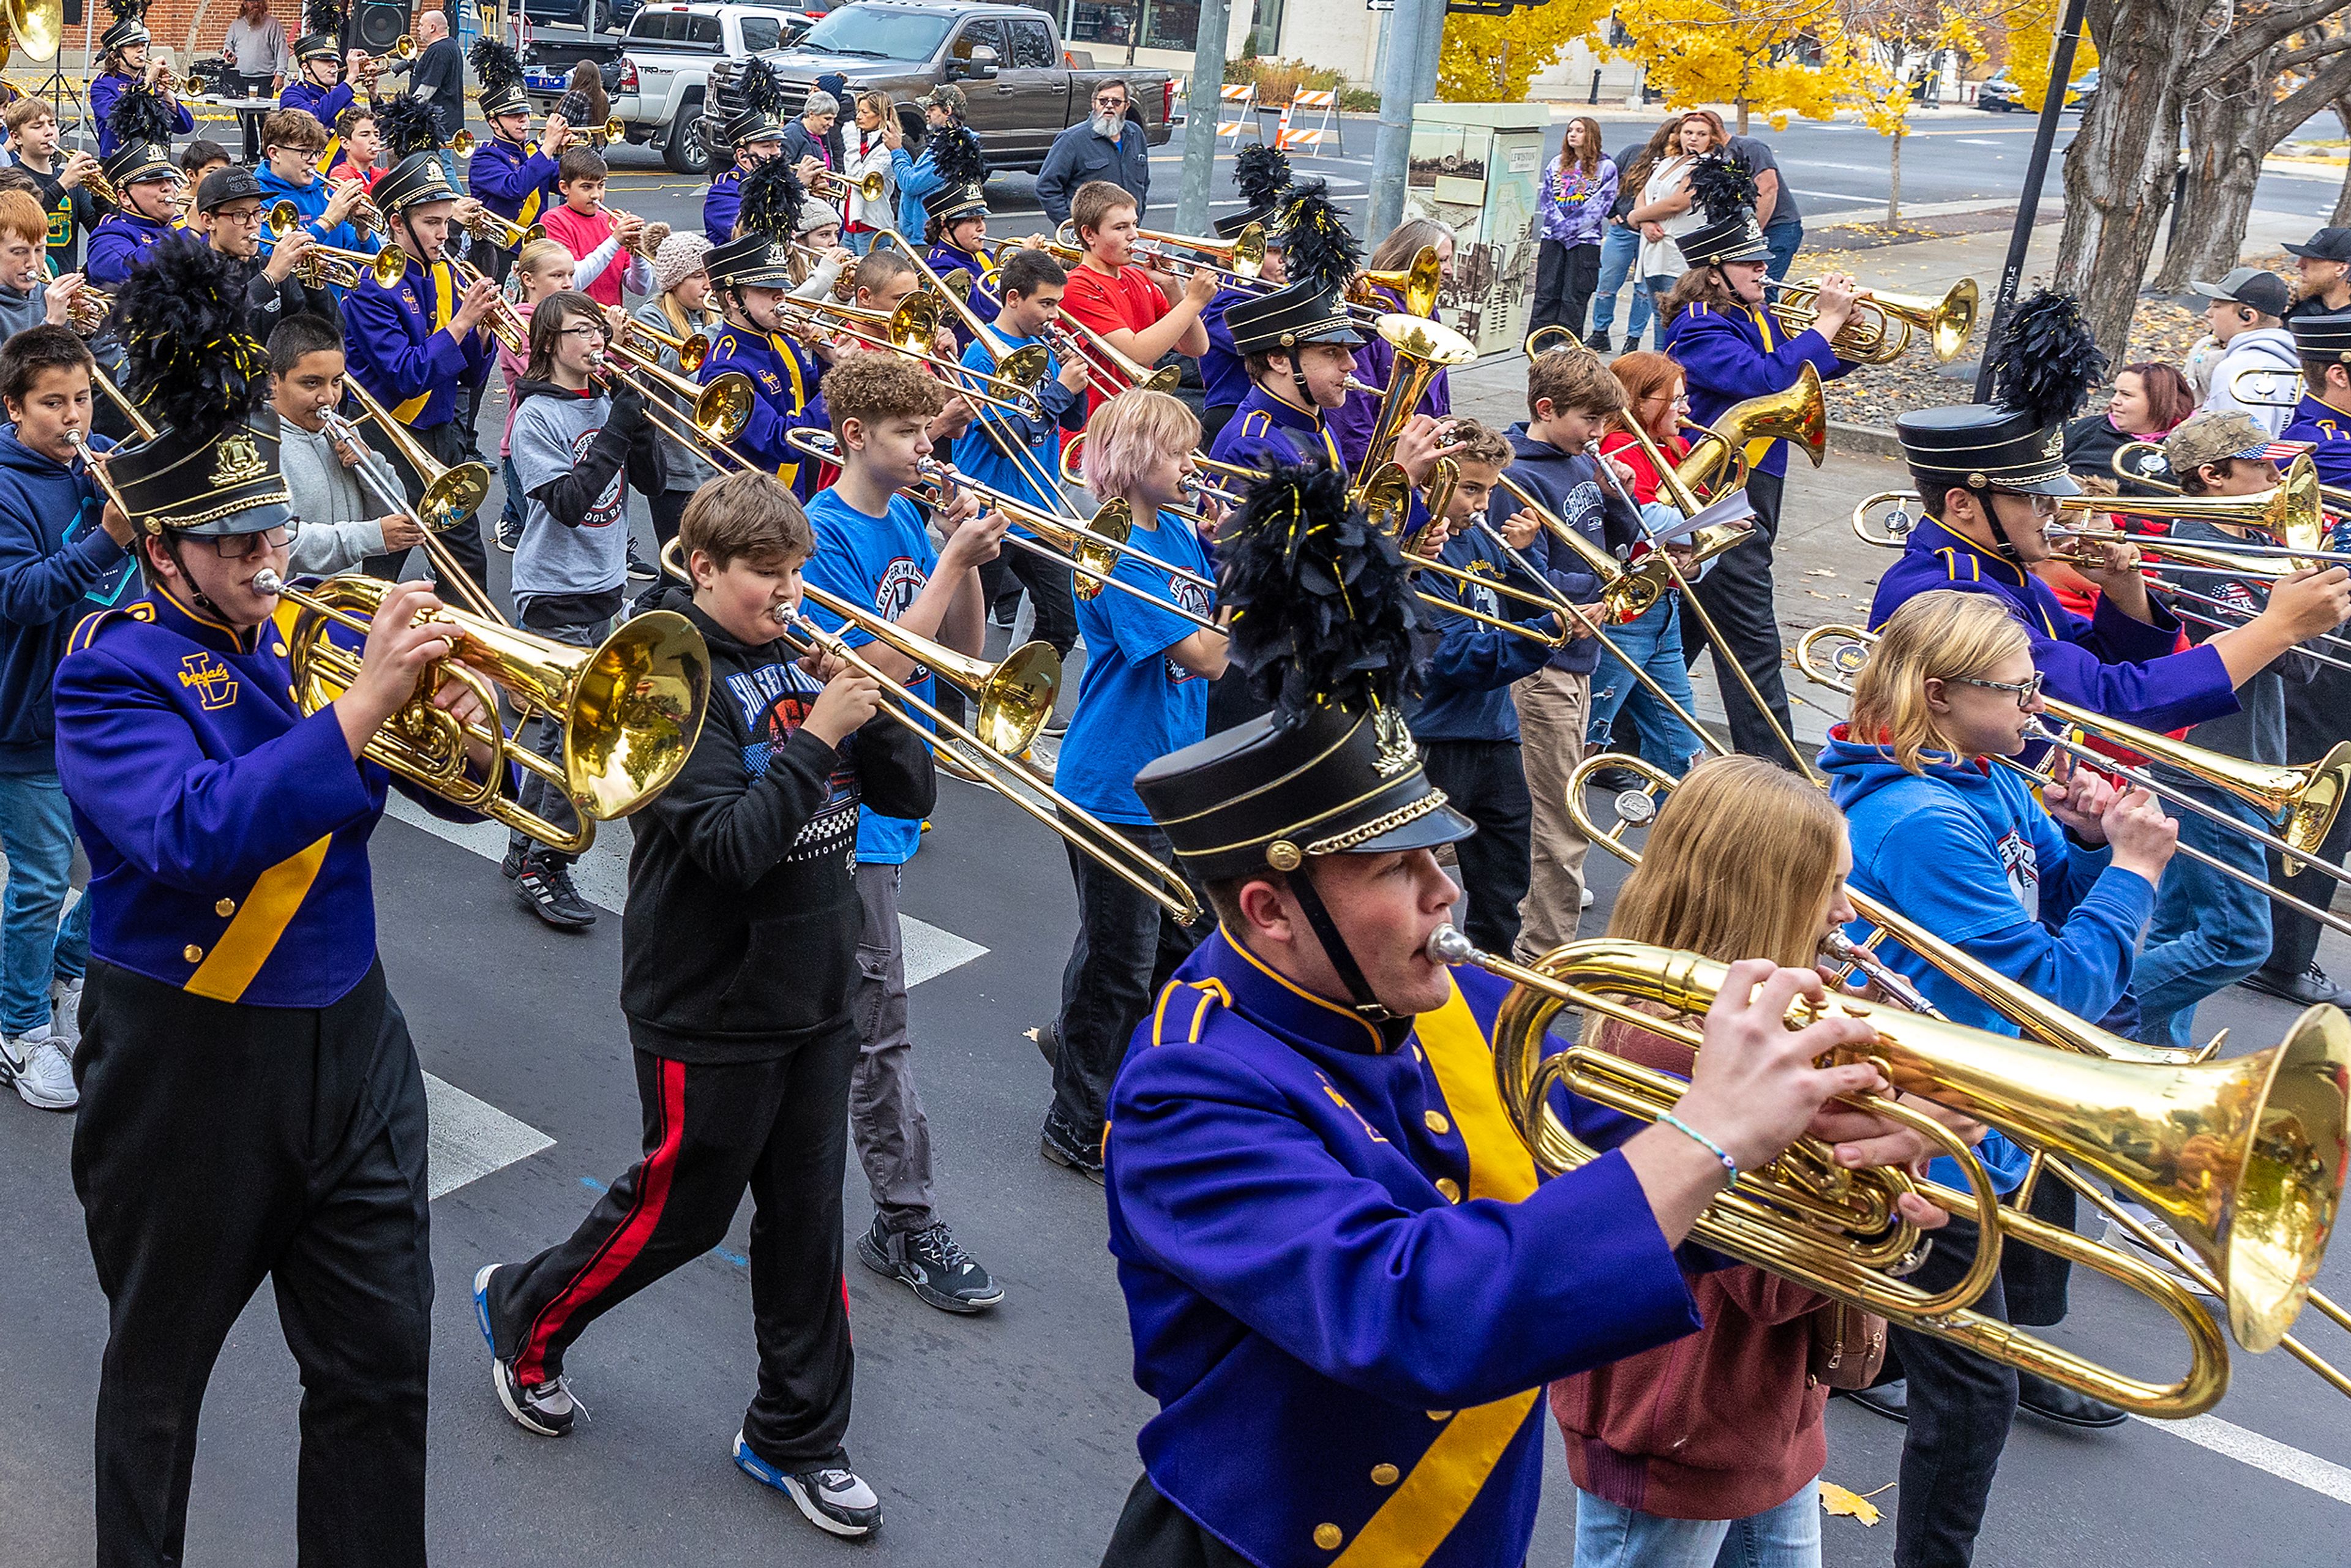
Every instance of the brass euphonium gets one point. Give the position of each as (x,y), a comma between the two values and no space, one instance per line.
(630,710)
(1717,460)
(2245,1159)
(1417,285)
(1423,348)
(1869,337)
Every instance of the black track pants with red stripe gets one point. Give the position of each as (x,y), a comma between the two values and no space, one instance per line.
(778,1127)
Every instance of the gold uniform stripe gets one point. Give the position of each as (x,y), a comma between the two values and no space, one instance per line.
(1499,1165)
(253,935)
(1414,1522)
(441,281)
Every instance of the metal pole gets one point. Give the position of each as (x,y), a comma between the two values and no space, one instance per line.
(1392,153)
(2028,202)
(1200,117)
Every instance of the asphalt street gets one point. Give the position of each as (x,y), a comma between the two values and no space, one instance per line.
(1007,1437)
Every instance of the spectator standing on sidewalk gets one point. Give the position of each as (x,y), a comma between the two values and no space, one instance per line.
(1578,189)
(2322,264)
(1106,145)
(1620,243)
(1776,205)
(1668,207)
(255,50)
(2245,312)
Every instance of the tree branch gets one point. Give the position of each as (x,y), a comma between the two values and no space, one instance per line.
(2285,116)
(2255,37)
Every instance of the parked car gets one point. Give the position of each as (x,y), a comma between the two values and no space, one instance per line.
(2002,95)
(1024,86)
(664,75)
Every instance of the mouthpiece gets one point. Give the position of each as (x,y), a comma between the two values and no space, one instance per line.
(1446,946)
(783,614)
(269,583)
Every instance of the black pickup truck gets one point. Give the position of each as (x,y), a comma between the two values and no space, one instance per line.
(1024,87)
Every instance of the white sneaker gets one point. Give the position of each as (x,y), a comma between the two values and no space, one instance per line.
(2172,1254)
(1587,902)
(64,1014)
(39,1067)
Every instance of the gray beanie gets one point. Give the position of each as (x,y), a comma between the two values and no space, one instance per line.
(679,258)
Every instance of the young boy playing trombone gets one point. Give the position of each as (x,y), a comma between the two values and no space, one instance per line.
(739,961)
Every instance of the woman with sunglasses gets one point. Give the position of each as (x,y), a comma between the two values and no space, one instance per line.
(2055,900)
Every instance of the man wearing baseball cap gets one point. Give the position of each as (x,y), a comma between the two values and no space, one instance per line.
(2245,314)
(2324,262)
(917,176)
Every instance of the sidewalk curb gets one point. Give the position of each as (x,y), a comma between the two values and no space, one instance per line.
(1863,440)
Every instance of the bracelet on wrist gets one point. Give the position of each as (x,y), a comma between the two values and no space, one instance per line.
(1708,1145)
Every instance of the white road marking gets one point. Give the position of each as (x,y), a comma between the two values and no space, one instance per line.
(470,1138)
(2324,1477)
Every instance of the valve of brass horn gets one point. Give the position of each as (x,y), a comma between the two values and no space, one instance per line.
(1870,336)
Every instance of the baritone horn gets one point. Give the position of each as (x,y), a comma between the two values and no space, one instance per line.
(1417,285)
(839,187)
(1870,335)
(630,708)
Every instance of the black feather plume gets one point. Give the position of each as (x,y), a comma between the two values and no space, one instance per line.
(2046,359)
(772,195)
(496,65)
(325,19)
(959,157)
(127,10)
(1322,607)
(188,361)
(140,118)
(1261,175)
(1322,248)
(408,126)
(1721,185)
(762,89)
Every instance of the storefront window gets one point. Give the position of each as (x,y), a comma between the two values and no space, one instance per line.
(1265,31)
(1171,24)
(1097,22)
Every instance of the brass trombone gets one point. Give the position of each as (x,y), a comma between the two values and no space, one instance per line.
(1540,341)
(505,320)
(1243,256)
(2244,1158)
(690,351)
(630,710)
(1022,368)
(2257,375)
(2143,462)
(453,491)
(141,425)
(721,406)
(909,330)
(2291,510)
(1869,335)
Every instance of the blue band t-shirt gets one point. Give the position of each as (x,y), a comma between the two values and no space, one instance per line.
(1134,703)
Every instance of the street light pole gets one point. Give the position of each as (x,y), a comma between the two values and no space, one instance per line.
(1392,153)
(1200,117)
(2028,202)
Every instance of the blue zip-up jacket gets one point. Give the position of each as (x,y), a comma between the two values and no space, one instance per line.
(516,183)
(2110,662)
(56,565)
(1079,155)
(916,178)
(1466,666)
(106,92)
(785,379)
(1966,851)
(1568,484)
(2328,429)
(1732,356)
(979,456)
(311,200)
(118,242)
(410,366)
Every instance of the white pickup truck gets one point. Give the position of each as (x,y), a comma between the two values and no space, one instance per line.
(666,60)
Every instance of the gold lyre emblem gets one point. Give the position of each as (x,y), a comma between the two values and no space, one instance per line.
(236,460)
(1393,737)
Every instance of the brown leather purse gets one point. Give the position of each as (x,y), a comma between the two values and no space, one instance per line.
(1848,1346)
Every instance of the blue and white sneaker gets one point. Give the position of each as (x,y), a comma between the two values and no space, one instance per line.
(834,1499)
(545,1408)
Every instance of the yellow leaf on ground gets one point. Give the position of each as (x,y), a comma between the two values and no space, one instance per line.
(1835,1499)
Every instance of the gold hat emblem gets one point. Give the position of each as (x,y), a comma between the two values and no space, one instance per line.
(779,255)
(236,460)
(1394,736)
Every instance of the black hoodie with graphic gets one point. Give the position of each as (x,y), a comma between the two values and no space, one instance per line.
(739,941)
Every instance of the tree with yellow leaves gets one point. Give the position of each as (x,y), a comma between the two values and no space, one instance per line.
(1777,58)
(1909,37)
(1491,60)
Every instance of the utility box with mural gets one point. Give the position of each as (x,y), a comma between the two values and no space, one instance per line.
(1479,167)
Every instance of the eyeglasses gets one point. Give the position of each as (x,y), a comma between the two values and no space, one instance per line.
(1111,102)
(245,547)
(583,332)
(2025,692)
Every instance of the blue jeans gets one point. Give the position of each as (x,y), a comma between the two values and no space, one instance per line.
(1783,239)
(1619,248)
(1787,1536)
(37,835)
(1654,641)
(860,243)
(2209,931)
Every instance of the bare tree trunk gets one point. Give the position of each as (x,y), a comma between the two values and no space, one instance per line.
(2118,171)
(1894,180)
(2342,107)
(2226,144)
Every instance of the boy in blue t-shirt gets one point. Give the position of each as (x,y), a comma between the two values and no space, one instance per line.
(1144,693)
(874,551)
(1019,455)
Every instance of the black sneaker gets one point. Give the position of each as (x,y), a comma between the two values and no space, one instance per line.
(1597,342)
(546,1408)
(511,866)
(2310,988)
(832,1499)
(1058,1144)
(545,887)
(640,569)
(929,1263)
(503,532)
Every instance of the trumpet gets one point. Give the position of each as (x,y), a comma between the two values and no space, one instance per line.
(402,51)
(462,143)
(2266,381)
(2306,796)
(1870,335)
(502,233)
(86,310)
(630,708)
(2244,1158)
(870,186)
(342,268)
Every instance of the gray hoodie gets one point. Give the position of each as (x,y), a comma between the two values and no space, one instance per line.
(575,455)
(339,528)
(2262,348)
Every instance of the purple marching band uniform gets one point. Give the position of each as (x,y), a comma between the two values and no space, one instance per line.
(1732,356)
(1350,422)
(107,90)
(945,259)
(1222,374)
(118,242)
(516,183)
(783,375)
(719,206)
(401,350)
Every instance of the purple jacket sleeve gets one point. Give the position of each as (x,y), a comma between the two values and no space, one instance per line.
(372,324)
(1718,356)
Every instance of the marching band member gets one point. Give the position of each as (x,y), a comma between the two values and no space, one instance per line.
(1297,346)
(228,214)
(2052,894)
(1310,1168)
(1466,725)
(62,178)
(1719,327)
(509,175)
(681,308)
(2322,418)
(343,522)
(738,960)
(291,146)
(1139,307)
(1261,175)
(1144,692)
(873,550)
(141,172)
(955,226)
(1351,422)
(757,137)
(317,84)
(749,276)
(197,159)
(362,146)
(123,47)
(417,345)
(227,835)
(1989,476)
(605,244)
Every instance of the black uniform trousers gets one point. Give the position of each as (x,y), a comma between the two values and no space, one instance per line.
(1738,594)
(220,1145)
(2317,714)
(778,1127)
(1487,782)
(1960,1406)
(1154,1533)
(445,442)
(495,265)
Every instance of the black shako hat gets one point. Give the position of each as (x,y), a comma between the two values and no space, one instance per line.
(499,70)
(1290,316)
(414,181)
(2046,361)
(753,260)
(2322,337)
(964,167)
(1723,188)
